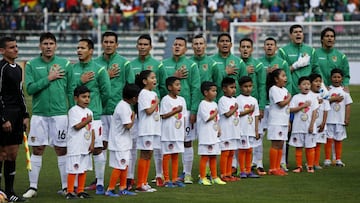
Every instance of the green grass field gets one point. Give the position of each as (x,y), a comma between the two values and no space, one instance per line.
(328,185)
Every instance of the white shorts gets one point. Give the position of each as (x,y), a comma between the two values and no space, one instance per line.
(263,124)
(277,132)
(256,143)
(306,140)
(48,130)
(190,129)
(148,142)
(336,132)
(209,149)
(243,142)
(76,164)
(171,147)
(105,121)
(119,159)
(97,126)
(229,144)
(253,142)
(321,137)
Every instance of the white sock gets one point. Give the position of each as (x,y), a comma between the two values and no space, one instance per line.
(62,170)
(235,159)
(187,158)
(132,163)
(283,156)
(158,162)
(36,162)
(99,162)
(333,151)
(104,152)
(258,155)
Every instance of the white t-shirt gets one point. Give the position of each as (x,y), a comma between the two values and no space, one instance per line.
(247,122)
(148,124)
(337,113)
(278,115)
(119,137)
(208,131)
(78,141)
(324,106)
(302,118)
(173,128)
(230,126)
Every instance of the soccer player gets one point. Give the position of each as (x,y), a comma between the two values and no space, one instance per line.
(120,73)
(80,143)
(13,114)
(329,58)
(229,64)
(91,74)
(145,61)
(48,80)
(303,61)
(185,69)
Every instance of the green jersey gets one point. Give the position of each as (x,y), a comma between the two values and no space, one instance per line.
(156,66)
(49,98)
(208,69)
(233,61)
(99,86)
(276,61)
(291,53)
(125,75)
(330,59)
(190,86)
(258,79)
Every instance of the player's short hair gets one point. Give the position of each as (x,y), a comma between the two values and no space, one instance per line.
(130,91)
(4,40)
(181,38)
(170,81)
(270,39)
(145,36)
(199,36)
(247,40)
(313,76)
(82,89)
(244,79)
(293,27)
(337,70)
(324,31)
(109,34)
(47,35)
(227,81)
(303,78)
(206,85)
(89,42)
(222,35)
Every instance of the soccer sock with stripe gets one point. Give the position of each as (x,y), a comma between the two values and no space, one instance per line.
(9,175)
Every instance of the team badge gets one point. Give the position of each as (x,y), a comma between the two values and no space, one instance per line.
(336,107)
(226,144)
(171,146)
(210,148)
(294,140)
(178,117)
(250,119)
(236,116)
(148,143)
(243,142)
(76,166)
(205,67)
(114,65)
(32,139)
(304,117)
(334,58)
(149,67)
(122,161)
(55,67)
(156,117)
(280,133)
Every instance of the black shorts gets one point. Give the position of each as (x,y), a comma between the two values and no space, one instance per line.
(15,137)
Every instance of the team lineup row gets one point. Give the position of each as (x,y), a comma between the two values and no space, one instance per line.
(51,81)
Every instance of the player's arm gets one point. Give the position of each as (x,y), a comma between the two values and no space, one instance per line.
(295,109)
(128,126)
(84,122)
(92,143)
(261,79)
(285,102)
(174,111)
(195,92)
(346,72)
(153,107)
(213,115)
(70,85)
(162,80)
(129,73)
(231,111)
(323,122)
(105,85)
(257,136)
(312,121)
(33,85)
(247,111)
